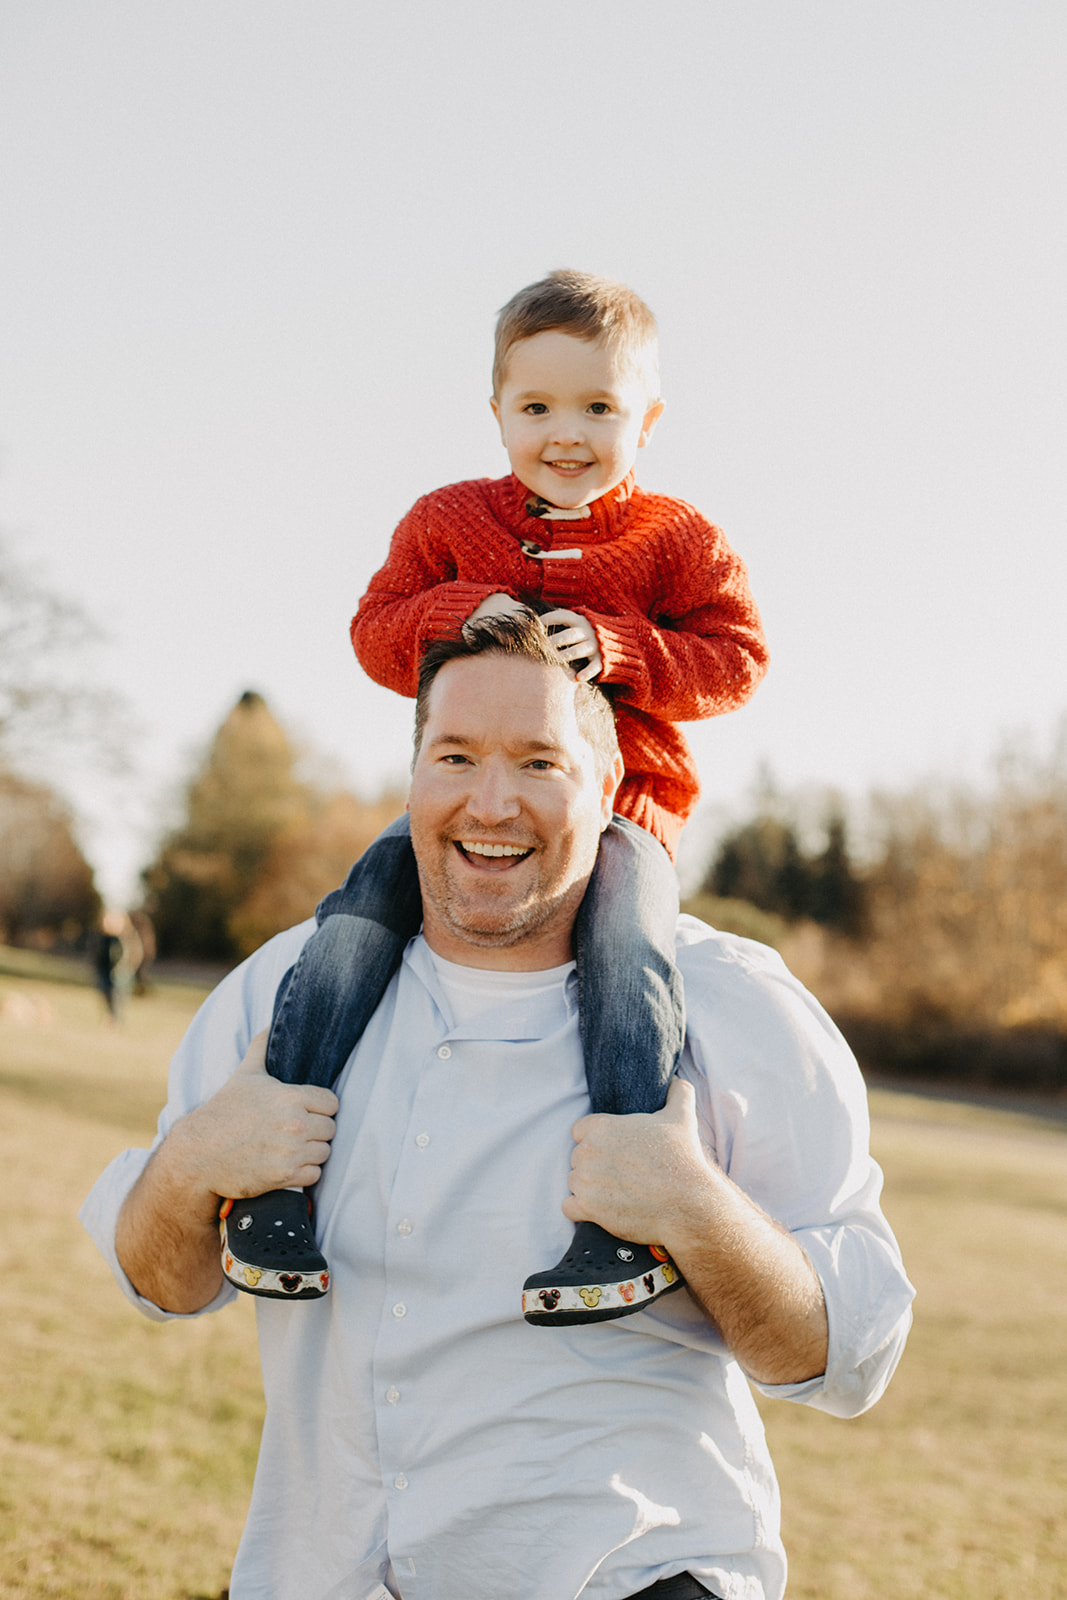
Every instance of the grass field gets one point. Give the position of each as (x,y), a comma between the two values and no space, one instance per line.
(126,1448)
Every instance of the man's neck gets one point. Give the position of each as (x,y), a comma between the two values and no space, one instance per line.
(528,954)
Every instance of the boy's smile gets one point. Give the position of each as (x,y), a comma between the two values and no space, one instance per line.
(571,419)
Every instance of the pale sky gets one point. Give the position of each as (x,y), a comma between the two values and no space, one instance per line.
(250,259)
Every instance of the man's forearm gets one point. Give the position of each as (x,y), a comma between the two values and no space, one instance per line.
(167,1234)
(754,1282)
(649,1178)
(255,1134)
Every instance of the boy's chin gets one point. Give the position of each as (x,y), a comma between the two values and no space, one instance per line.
(563,496)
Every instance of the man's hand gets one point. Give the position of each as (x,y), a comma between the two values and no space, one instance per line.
(637,1175)
(576,642)
(649,1179)
(255,1134)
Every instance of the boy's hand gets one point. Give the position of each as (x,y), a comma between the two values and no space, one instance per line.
(497,605)
(576,642)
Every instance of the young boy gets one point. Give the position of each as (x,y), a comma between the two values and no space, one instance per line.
(640,593)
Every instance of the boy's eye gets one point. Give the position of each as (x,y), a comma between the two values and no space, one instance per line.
(600,408)
(536,409)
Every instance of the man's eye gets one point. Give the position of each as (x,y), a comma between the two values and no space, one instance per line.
(541,764)
(455,759)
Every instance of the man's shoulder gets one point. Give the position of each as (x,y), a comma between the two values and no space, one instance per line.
(749,1017)
(730,979)
(251,987)
(704,947)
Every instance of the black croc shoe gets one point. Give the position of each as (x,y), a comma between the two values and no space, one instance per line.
(599,1278)
(268,1247)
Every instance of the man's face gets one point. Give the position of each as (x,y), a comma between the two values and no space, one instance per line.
(506,813)
(571,421)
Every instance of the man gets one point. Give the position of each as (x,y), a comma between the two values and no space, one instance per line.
(421,1438)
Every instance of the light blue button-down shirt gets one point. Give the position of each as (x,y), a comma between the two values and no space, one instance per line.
(413,1417)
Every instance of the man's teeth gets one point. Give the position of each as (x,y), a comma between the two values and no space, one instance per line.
(475,849)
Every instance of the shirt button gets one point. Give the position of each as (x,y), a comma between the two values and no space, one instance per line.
(392,1395)
(404,1227)
(400,1310)
(422,1140)
(445,1053)
(400,1482)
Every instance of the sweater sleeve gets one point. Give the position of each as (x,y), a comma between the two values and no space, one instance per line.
(415,597)
(702,651)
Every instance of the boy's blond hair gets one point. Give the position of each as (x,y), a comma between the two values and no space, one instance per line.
(579,303)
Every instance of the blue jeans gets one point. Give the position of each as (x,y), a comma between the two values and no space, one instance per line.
(630,1003)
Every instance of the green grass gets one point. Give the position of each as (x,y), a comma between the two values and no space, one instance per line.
(127,1448)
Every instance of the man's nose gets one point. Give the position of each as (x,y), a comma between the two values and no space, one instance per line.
(493,797)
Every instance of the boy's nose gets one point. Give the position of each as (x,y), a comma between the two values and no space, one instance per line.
(568,430)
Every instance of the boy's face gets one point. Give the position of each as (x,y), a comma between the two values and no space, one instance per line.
(571,421)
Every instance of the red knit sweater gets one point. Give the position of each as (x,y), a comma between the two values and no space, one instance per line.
(669,600)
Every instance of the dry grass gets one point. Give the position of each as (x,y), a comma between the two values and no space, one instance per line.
(953,1485)
(126,1449)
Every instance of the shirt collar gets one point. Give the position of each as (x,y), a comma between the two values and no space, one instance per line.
(605,520)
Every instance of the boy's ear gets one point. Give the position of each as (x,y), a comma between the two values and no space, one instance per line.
(499,421)
(652,416)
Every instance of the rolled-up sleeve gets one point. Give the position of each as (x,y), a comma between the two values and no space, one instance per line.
(783,1109)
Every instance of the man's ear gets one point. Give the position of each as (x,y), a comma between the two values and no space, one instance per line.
(652,416)
(612,779)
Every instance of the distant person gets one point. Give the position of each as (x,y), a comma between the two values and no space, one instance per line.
(116,954)
(146,933)
(646,598)
(421,1439)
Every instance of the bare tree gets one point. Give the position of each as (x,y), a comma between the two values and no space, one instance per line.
(46,884)
(46,700)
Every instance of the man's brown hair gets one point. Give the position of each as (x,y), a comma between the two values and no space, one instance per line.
(579,303)
(522,634)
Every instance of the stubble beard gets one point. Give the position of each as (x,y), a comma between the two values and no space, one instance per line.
(511,926)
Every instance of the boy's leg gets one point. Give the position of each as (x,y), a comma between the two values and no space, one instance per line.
(326,1000)
(630,1000)
(632,1017)
(323,1004)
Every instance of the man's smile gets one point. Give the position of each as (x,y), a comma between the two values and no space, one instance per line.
(507,852)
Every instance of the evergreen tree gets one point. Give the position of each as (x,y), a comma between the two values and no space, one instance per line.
(240,800)
(762,862)
(838,897)
(793,885)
